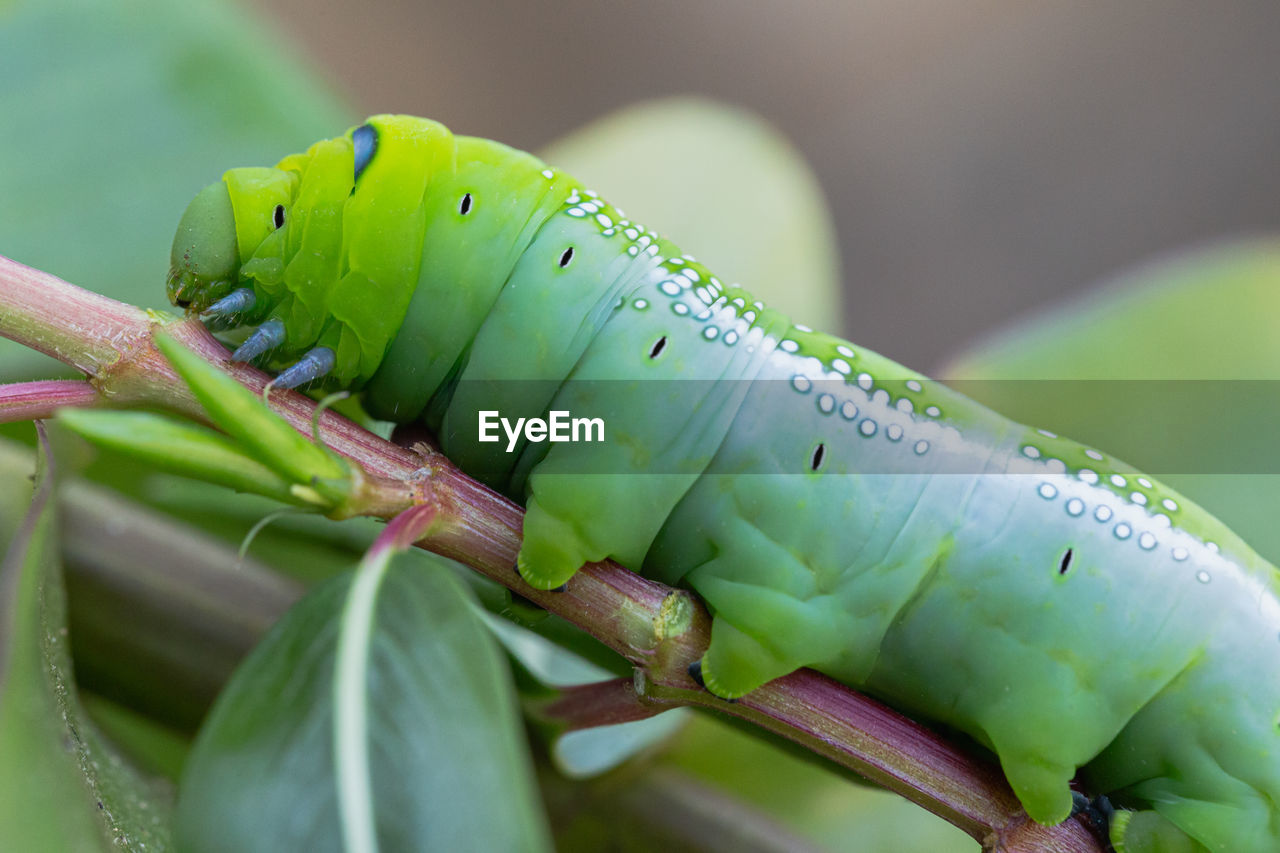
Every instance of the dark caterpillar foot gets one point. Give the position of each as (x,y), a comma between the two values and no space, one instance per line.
(413,435)
(695,672)
(1097,814)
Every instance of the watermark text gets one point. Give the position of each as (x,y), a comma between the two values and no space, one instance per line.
(559,427)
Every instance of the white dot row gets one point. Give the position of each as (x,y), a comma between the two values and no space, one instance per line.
(1092,478)
(1075,507)
(867,427)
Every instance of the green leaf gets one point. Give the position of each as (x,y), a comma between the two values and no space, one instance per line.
(261,432)
(179,447)
(61,787)
(116,113)
(149,744)
(1177,363)
(727,187)
(378,714)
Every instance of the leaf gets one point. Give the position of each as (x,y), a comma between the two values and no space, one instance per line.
(148,743)
(115,114)
(378,714)
(259,431)
(178,446)
(727,187)
(61,787)
(1174,366)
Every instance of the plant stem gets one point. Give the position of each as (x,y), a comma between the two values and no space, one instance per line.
(80,328)
(29,401)
(587,706)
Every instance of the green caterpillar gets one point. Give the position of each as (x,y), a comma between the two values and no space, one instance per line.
(1064,610)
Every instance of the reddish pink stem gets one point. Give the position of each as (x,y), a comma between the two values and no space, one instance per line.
(29,401)
(88,331)
(405,529)
(587,706)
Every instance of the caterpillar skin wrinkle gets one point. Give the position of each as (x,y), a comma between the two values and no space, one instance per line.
(834,509)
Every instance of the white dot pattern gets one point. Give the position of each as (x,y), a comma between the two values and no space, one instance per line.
(696,295)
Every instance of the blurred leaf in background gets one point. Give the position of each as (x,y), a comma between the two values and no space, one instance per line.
(1172,367)
(115,114)
(724,185)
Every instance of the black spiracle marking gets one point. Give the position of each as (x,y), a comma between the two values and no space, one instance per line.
(819,453)
(1065,565)
(464,206)
(658,347)
(365,141)
(566,257)
(277,216)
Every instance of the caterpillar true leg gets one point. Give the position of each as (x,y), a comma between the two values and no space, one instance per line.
(236,302)
(315,364)
(266,337)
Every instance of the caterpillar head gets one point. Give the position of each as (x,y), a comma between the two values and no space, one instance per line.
(321,272)
(204,262)
(221,229)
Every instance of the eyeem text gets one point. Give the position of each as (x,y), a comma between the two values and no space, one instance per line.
(559,427)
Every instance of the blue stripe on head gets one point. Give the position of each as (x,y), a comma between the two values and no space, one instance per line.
(365,140)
